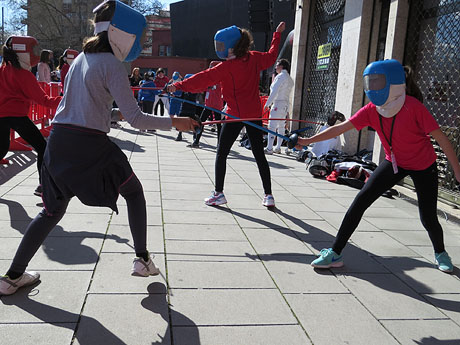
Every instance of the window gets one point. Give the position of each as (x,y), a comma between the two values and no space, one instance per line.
(164,50)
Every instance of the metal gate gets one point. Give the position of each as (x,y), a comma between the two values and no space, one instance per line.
(432,50)
(322,62)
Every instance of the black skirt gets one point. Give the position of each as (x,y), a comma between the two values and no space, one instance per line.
(84,163)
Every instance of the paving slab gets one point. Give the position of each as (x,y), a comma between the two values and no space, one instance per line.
(211,232)
(421,275)
(424,331)
(153,216)
(199,217)
(49,300)
(379,243)
(207,307)
(396,299)
(356,260)
(209,251)
(335,219)
(37,333)
(267,241)
(449,304)
(119,239)
(258,218)
(116,319)
(356,327)
(428,253)
(293,274)
(254,335)
(113,274)
(218,275)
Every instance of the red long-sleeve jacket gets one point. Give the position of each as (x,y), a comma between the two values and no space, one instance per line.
(239,79)
(18,89)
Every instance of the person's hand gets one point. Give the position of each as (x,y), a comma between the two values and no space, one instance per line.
(184,124)
(281,27)
(171,88)
(301,142)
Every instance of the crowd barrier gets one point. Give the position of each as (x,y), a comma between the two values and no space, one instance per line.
(40,115)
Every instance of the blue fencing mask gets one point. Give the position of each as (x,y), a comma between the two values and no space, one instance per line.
(175,76)
(226,39)
(385,86)
(126,30)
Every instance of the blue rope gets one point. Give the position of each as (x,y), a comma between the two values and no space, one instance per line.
(232,116)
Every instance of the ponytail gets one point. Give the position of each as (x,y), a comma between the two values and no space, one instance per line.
(411,87)
(9,55)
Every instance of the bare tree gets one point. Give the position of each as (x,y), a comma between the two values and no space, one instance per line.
(59,24)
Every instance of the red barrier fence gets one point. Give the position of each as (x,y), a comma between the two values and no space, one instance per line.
(40,116)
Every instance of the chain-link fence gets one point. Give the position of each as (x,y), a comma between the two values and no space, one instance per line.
(432,50)
(322,63)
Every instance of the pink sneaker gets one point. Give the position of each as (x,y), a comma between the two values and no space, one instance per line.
(269,200)
(215,199)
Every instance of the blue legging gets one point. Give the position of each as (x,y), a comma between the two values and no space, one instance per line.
(381,180)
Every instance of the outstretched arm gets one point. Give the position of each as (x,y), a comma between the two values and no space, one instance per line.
(329,133)
(447,148)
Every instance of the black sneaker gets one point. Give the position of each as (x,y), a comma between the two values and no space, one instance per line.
(39,191)
(179,137)
(196,145)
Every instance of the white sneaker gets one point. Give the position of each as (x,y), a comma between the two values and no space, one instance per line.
(277,151)
(269,200)
(144,269)
(10,286)
(268,152)
(215,199)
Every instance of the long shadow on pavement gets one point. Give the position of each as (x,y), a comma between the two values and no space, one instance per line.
(404,264)
(55,316)
(60,246)
(18,162)
(187,329)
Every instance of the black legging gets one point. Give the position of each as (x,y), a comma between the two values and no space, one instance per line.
(28,131)
(43,223)
(205,115)
(382,179)
(228,136)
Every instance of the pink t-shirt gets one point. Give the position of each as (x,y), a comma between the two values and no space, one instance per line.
(410,141)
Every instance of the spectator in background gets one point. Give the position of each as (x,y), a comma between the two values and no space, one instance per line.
(175,105)
(43,68)
(147,96)
(213,99)
(161,80)
(19,87)
(134,79)
(64,64)
(187,109)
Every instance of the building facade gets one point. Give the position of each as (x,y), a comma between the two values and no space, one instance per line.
(335,40)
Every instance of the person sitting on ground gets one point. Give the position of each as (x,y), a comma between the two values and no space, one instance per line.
(404,126)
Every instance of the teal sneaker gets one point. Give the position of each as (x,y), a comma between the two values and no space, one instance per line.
(444,262)
(328,258)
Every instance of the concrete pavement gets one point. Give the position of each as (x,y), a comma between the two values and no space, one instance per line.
(236,274)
